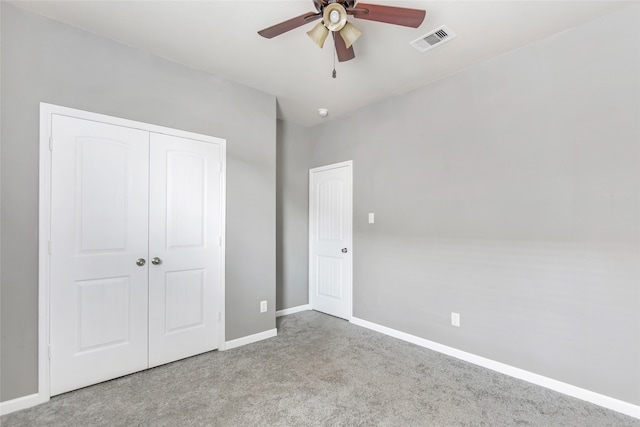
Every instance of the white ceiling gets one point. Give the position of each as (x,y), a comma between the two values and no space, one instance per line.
(220,37)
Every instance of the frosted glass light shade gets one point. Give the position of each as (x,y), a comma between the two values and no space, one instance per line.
(318,34)
(350,34)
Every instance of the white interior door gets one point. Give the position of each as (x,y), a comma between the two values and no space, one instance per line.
(330,239)
(185,242)
(98,294)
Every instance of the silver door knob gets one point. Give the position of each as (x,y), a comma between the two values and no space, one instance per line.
(344,250)
(156,261)
(140,262)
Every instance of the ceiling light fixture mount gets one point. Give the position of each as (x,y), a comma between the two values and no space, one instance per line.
(323,112)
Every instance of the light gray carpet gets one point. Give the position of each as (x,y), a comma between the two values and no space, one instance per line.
(319,371)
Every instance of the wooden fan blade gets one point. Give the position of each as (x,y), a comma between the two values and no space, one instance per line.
(388,14)
(289,25)
(343,53)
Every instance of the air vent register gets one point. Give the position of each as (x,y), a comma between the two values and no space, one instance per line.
(432,39)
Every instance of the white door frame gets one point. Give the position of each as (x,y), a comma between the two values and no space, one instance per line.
(44,223)
(349,291)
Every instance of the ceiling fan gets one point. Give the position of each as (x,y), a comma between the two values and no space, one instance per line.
(334,19)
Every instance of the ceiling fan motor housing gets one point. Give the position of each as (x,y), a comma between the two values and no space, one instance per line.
(321,4)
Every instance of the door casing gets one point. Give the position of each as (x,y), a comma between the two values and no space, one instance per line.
(44,224)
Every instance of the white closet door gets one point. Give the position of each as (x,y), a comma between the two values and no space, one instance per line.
(98,294)
(185,237)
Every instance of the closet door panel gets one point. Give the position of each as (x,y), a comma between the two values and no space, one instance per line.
(99,211)
(185,229)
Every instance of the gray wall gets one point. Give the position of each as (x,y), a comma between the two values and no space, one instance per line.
(45,61)
(509,193)
(292,287)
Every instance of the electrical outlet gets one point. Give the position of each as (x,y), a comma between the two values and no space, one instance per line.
(455,319)
(372,218)
(263,306)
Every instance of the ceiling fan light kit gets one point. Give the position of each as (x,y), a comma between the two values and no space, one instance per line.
(334,15)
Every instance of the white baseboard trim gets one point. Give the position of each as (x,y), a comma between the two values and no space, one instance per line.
(293,310)
(20,403)
(568,389)
(250,339)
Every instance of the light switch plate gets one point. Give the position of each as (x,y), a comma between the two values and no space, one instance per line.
(371,218)
(455,319)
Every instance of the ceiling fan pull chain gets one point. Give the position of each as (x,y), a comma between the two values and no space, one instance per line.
(334,74)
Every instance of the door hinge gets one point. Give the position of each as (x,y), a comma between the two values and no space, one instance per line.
(220,241)
(50,250)
(49,352)
(219,316)
(50,142)
(220,167)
